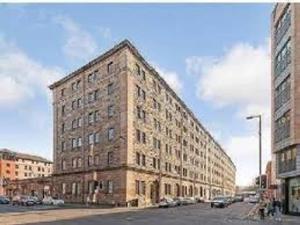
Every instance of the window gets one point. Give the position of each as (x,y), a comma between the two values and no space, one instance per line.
(63,187)
(74,143)
(63,164)
(74,188)
(74,162)
(110,158)
(90,160)
(138,69)
(96,160)
(144,74)
(79,121)
(111,134)
(143,160)
(96,95)
(74,104)
(137,158)
(282,127)
(140,187)
(62,92)
(91,117)
(91,139)
(137,187)
(97,137)
(97,116)
(110,186)
(92,77)
(79,102)
(110,89)
(63,110)
(110,67)
(138,135)
(74,124)
(63,146)
(154,163)
(110,111)
(79,162)
(79,142)
(63,128)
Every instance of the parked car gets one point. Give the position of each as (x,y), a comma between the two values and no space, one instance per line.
(200,199)
(37,201)
(191,200)
(229,199)
(219,202)
(178,201)
(53,201)
(4,200)
(253,199)
(166,203)
(238,198)
(23,200)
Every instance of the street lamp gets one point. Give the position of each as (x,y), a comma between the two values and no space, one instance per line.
(259,135)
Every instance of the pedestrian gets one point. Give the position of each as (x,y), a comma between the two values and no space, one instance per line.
(270,209)
(262,206)
(278,207)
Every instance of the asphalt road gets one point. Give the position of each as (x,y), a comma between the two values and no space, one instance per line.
(187,215)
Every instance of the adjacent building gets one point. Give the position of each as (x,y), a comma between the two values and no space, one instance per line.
(123,136)
(285,40)
(19,166)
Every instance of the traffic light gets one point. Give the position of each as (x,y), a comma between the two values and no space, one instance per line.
(263,181)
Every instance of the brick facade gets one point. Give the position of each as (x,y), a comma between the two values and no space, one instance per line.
(119,127)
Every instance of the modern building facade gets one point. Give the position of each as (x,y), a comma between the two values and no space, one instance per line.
(122,135)
(285,42)
(19,166)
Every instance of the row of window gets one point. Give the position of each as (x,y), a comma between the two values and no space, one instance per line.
(92,138)
(77,162)
(92,97)
(282,128)
(92,77)
(283,59)
(93,117)
(287,160)
(283,93)
(93,187)
(283,25)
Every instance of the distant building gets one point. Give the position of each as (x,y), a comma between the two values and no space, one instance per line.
(285,81)
(19,166)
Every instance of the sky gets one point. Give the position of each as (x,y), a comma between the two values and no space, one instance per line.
(215,56)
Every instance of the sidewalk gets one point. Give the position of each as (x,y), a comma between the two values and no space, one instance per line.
(254,215)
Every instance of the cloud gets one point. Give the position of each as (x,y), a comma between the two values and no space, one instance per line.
(241,79)
(21,77)
(105,32)
(171,77)
(80,44)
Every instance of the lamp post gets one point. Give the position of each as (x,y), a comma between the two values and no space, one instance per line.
(259,135)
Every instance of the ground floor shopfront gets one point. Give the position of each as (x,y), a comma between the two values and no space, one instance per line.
(290,189)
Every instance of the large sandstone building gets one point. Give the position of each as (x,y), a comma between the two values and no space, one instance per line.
(121,133)
(285,21)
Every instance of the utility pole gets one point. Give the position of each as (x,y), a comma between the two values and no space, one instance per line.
(259,145)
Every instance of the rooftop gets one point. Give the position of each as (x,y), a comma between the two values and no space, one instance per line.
(19,155)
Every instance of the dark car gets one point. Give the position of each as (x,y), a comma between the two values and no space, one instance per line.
(4,200)
(219,202)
